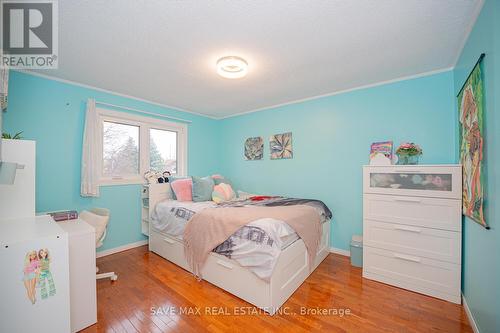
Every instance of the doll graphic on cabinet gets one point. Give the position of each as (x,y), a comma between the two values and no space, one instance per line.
(45,279)
(37,275)
(31,268)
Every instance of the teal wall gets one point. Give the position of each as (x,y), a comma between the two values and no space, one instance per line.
(52,113)
(331,139)
(331,142)
(481,247)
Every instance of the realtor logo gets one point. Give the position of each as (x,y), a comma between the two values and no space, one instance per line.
(29,38)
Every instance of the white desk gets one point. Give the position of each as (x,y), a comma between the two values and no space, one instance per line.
(82,271)
(47,312)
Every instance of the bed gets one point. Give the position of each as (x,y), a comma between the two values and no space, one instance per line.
(263,263)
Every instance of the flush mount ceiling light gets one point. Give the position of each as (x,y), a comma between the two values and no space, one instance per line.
(232,67)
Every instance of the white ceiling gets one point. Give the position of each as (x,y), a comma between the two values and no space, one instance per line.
(165,51)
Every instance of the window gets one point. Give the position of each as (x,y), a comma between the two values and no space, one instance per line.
(132,145)
(120,149)
(163,150)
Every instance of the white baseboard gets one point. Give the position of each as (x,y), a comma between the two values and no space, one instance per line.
(340,251)
(472,322)
(121,248)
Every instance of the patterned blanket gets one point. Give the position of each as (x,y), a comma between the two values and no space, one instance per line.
(269,201)
(256,245)
(258,235)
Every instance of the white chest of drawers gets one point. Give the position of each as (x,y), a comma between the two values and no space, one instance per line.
(412,228)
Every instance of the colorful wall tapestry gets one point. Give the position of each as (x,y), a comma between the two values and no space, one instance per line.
(470,111)
(254,148)
(281,146)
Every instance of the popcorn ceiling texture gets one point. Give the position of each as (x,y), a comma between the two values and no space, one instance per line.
(165,51)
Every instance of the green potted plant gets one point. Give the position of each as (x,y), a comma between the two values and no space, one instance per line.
(408,153)
(16,136)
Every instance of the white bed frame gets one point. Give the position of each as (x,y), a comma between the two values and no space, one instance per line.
(291,269)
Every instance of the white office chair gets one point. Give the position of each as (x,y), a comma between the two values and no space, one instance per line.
(99,218)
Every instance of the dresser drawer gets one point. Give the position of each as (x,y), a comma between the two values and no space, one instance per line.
(418,241)
(414,180)
(417,211)
(428,276)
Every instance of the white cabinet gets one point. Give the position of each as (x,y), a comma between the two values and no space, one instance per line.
(82,274)
(34,288)
(412,230)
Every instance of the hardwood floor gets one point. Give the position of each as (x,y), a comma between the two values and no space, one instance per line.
(150,293)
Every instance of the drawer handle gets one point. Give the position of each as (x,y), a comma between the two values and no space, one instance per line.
(408,200)
(410,229)
(225,264)
(169,241)
(407,171)
(407,258)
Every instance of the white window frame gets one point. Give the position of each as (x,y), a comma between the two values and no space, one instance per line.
(144,124)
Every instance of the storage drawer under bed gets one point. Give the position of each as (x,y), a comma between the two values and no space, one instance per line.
(218,270)
(168,247)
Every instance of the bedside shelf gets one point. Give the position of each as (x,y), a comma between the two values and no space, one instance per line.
(150,195)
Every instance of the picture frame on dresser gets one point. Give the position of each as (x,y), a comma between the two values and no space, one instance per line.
(412,228)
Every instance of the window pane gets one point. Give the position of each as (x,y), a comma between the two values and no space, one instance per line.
(163,150)
(120,149)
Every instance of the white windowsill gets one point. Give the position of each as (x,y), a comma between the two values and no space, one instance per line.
(121,181)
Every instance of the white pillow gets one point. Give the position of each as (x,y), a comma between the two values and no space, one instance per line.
(245,195)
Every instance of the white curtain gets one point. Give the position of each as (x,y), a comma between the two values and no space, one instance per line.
(90,164)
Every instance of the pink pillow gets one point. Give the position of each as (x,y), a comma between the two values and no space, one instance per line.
(183,189)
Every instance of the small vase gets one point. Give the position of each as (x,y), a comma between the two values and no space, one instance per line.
(408,159)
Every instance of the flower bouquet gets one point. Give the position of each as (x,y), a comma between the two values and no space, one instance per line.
(408,153)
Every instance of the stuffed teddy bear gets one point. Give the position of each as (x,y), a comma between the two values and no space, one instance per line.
(151,177)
